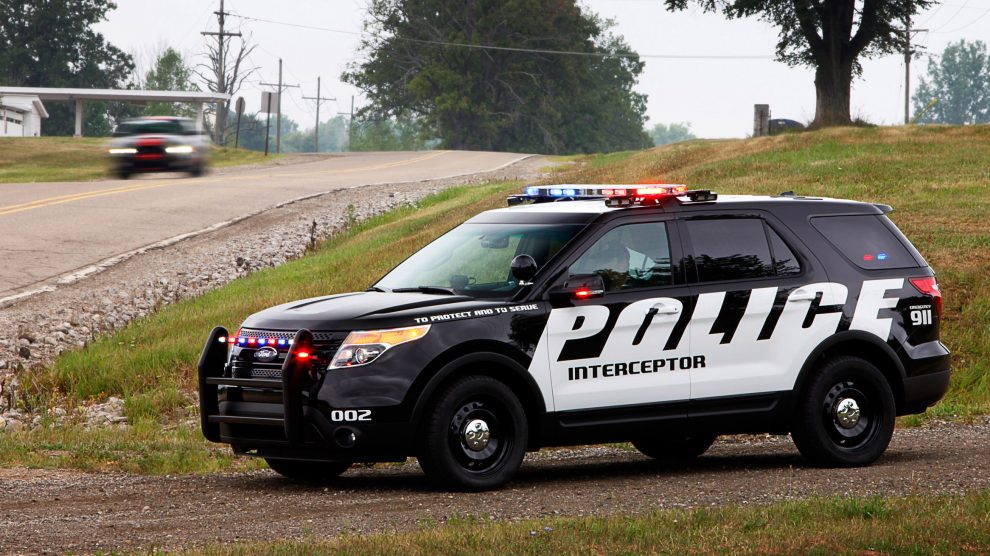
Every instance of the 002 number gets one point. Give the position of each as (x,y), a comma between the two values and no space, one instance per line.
(350,415)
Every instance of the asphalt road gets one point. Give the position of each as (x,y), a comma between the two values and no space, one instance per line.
(53,231)
(70,511)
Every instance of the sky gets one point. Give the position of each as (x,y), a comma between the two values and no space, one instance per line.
(715,96)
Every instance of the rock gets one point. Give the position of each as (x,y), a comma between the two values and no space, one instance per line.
(24,352)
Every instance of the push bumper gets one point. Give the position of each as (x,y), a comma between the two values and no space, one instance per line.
(279,417)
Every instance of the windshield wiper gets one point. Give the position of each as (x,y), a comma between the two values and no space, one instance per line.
(376,289)
(427,289)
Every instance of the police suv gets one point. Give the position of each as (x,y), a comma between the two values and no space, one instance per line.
(584,314)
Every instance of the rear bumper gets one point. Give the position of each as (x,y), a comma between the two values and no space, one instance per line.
(920,392)
(281,418)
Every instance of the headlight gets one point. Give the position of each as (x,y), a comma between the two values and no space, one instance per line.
(180,149)
(361,348)
(123,151)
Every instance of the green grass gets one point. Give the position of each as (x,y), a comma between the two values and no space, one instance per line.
(913,525)
(936,177)
(47,159)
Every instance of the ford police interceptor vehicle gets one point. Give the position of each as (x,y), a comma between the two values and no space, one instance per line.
(584,314)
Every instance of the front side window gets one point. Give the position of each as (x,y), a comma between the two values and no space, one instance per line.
(475,259)
(629,257)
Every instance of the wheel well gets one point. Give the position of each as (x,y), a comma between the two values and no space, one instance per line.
(500,368)
(869,351)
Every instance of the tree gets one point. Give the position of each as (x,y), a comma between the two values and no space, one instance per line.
(402,133)
(664,134)
(828,35)
(960,83)
(223,73)
(433,60)
(52,44)
(170,73)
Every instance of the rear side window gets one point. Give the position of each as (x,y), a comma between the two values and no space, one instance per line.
(730,249)
(866,240)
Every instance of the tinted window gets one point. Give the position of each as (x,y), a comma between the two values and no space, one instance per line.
(784,261)
(730,249)
(148,127)
(629,257)
(865,240)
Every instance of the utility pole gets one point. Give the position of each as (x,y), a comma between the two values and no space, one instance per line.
(907,67)
(319,100)
(221,36)
(278,107)
(350,123)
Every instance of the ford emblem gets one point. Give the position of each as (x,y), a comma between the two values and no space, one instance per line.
(266,354)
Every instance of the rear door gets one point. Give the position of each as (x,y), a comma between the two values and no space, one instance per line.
(761,304)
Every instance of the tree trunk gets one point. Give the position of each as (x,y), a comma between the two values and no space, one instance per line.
(832,86)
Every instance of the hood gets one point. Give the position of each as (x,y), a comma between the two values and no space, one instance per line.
(366,310)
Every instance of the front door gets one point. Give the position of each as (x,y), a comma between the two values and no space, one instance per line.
(628,347)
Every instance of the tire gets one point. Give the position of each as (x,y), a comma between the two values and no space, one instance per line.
(123,174)
(197,170)
(675,449)
(831,431)
(308,471)
(444,451)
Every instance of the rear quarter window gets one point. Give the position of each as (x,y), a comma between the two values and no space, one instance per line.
(870,241)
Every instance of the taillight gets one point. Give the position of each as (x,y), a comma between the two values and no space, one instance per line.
(928,286)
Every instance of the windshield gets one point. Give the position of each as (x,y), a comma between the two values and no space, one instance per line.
(149,127)
(474,259)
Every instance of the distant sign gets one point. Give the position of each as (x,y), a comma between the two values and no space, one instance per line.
(269,101)
(240,105)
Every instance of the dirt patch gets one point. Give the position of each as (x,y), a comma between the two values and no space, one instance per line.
(68,511)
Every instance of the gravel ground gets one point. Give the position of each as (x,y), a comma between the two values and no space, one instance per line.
(68,511)
(35,330)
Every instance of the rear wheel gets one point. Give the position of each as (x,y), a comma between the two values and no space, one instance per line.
(308,471)
(675,449)
(123,174)
(197,170)
(474,436)
(845,414)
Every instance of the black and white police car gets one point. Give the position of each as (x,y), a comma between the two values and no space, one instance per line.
(584,314)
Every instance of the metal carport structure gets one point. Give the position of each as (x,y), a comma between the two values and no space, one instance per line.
(122,95)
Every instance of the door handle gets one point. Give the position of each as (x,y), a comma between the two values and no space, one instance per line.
(664,309)
(802,294)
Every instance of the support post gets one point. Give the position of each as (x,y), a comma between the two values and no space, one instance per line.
(761,120)
(199,116)
(79,117)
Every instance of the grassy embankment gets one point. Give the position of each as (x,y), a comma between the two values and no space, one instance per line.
(914,525)
(936,178)
(45,159)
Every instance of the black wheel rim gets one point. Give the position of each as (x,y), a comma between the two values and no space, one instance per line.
(477,459)
(848,432)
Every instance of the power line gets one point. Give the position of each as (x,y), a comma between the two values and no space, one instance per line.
(518,49)
(970,24)
(948,21)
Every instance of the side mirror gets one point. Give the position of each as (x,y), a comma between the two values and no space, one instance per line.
(577,288)
(523,268)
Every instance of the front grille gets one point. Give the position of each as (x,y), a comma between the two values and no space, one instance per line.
(244,365)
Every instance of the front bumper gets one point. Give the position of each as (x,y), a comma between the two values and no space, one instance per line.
(282,417)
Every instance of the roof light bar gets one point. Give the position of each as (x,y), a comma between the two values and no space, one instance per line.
(614,195)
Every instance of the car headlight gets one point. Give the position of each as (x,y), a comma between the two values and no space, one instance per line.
(180,149)
(123,151)
(361,348)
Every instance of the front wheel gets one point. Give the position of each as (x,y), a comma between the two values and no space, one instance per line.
(845,414)
(474,436)
(308,471)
